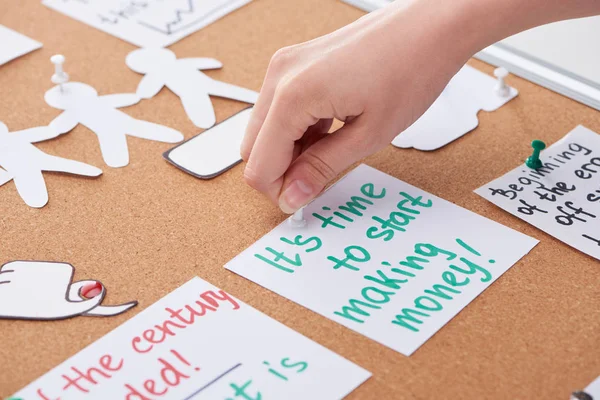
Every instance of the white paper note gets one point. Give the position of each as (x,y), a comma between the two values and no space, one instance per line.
(200,343)
(383,258)
(14,44)
(593,389)
(563,197)
(150,23)
(454,112)
(212,152)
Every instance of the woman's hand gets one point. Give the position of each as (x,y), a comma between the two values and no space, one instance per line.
(378,75)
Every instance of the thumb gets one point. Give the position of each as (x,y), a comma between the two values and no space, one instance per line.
(323,161)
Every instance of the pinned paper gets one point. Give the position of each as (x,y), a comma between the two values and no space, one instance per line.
(198,343)
(149,23)
(23,163)
(593,389)
(214,151)
(43,291)
(182,76)
(454,113)
(562,197)
(82,105)
(14,45)
(383,258)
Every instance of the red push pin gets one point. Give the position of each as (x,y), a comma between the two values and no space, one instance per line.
(91,290)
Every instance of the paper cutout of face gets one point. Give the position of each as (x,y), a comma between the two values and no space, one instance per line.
(454,113)
(183,77)
(42,290)
(100,114)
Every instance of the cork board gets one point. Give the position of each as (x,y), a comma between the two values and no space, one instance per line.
(146,229)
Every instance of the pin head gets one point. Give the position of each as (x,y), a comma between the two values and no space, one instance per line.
(60,77)
(57,59)
(534,161)
(501,72)
(538,145)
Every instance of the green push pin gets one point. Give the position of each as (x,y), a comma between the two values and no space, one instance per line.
(534,161)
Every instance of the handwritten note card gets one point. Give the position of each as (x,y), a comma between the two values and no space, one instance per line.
(383,258)
(563,197)
(13,45)
(200,343)
(149,23)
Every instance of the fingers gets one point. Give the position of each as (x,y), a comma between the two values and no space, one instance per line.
(273,151)
(323,161)
(265,98)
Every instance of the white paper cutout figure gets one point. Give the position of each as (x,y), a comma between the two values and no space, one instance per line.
(82,105)
(183,77)
(43,290)
(24,163)
(454,113)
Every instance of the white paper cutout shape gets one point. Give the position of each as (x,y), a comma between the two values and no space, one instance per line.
(183,77)
(24,163)
(454,113)
(42,290)
(14,45)
(82,105)
(214,151)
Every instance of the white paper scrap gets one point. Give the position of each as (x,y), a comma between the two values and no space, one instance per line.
(383,258)
(14,45)
(200,343)
(563,197)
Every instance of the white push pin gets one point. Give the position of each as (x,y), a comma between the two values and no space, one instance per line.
(60,76)
(501,88)
(297,219)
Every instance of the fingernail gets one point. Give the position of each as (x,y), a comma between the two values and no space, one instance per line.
(295,196)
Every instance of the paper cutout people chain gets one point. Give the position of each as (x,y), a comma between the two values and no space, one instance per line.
(43,290)
(23,163)
(182,76)
(82,105)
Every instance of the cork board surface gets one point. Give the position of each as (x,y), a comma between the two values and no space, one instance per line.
(146,229)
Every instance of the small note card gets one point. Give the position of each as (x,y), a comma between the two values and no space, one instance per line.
(563,196)
(383,258)
(149,23)
(200,343)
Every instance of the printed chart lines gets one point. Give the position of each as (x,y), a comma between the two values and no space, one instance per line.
(172,27)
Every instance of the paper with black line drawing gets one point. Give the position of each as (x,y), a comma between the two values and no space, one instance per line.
(200,343)
(149,23)
(24,164)
(563,197)
(383,258)
(14,44)
(43,290)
